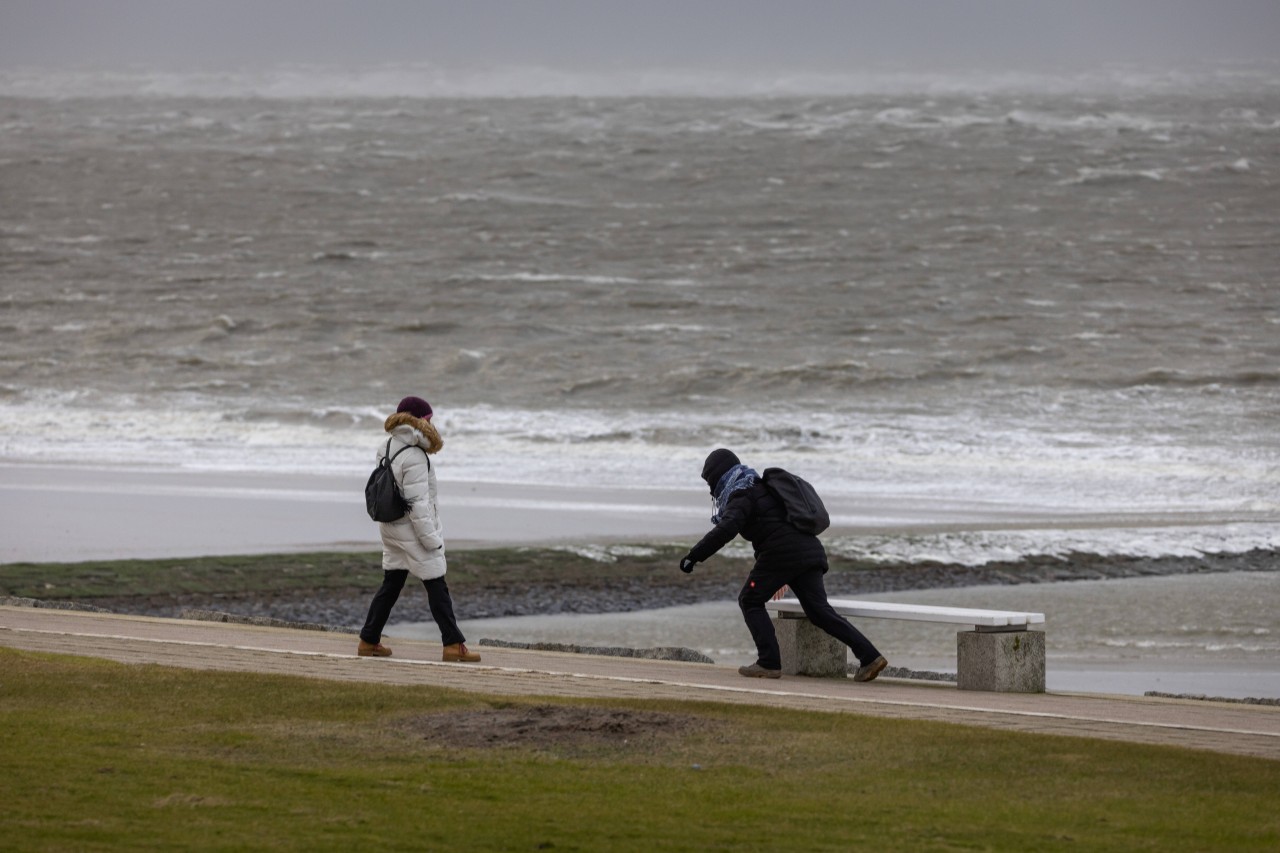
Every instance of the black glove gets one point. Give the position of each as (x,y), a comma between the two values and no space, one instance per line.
(686,566)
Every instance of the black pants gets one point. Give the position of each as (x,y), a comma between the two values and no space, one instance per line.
(389,593)
(806,583)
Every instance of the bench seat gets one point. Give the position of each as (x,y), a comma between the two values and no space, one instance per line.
(854,608)
(998,653)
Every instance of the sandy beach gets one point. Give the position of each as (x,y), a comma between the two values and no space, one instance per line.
(65,513)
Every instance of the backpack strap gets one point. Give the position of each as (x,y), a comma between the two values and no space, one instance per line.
(392,457)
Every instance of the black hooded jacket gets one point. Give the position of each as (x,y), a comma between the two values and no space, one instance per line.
(758,516)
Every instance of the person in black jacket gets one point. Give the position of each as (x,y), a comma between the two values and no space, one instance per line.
(785,556)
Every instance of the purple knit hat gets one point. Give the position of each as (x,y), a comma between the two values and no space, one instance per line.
(415,406)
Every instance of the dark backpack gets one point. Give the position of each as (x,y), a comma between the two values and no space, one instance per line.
(800,501)
(382,496)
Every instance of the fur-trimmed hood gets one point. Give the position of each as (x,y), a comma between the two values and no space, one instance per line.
(428,438)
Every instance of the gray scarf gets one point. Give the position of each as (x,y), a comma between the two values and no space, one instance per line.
(736,479)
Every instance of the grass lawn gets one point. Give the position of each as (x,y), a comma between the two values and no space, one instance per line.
(97,755)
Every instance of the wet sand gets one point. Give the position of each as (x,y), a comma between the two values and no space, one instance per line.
(67,514)
(62,513)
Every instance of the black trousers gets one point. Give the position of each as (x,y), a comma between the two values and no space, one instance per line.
(388,594)
(806,583)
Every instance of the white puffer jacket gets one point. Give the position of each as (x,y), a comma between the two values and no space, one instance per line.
(415,541)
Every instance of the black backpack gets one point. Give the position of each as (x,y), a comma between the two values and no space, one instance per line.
(382,497)
(799,499)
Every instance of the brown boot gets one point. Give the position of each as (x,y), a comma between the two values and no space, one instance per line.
(372,650)
(868,672)
(458,653)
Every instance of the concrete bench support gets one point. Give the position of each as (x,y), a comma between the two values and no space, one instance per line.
(809,650)
(1000,661)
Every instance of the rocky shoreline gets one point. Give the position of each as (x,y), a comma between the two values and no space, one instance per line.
(346,608)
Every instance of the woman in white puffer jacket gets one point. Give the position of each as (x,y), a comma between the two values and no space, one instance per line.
(414,543)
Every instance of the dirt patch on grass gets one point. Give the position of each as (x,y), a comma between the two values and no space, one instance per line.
(552,727)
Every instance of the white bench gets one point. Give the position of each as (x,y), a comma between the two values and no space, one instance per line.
(1001,653)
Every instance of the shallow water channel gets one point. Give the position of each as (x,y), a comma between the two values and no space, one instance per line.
(1211,634)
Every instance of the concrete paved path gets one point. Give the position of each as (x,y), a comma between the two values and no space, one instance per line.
(1218,726)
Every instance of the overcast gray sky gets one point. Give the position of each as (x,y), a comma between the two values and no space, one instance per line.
(632,34)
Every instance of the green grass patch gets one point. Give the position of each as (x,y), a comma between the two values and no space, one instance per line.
(105,756)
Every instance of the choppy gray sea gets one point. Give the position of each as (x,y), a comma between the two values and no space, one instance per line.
(1058,295)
